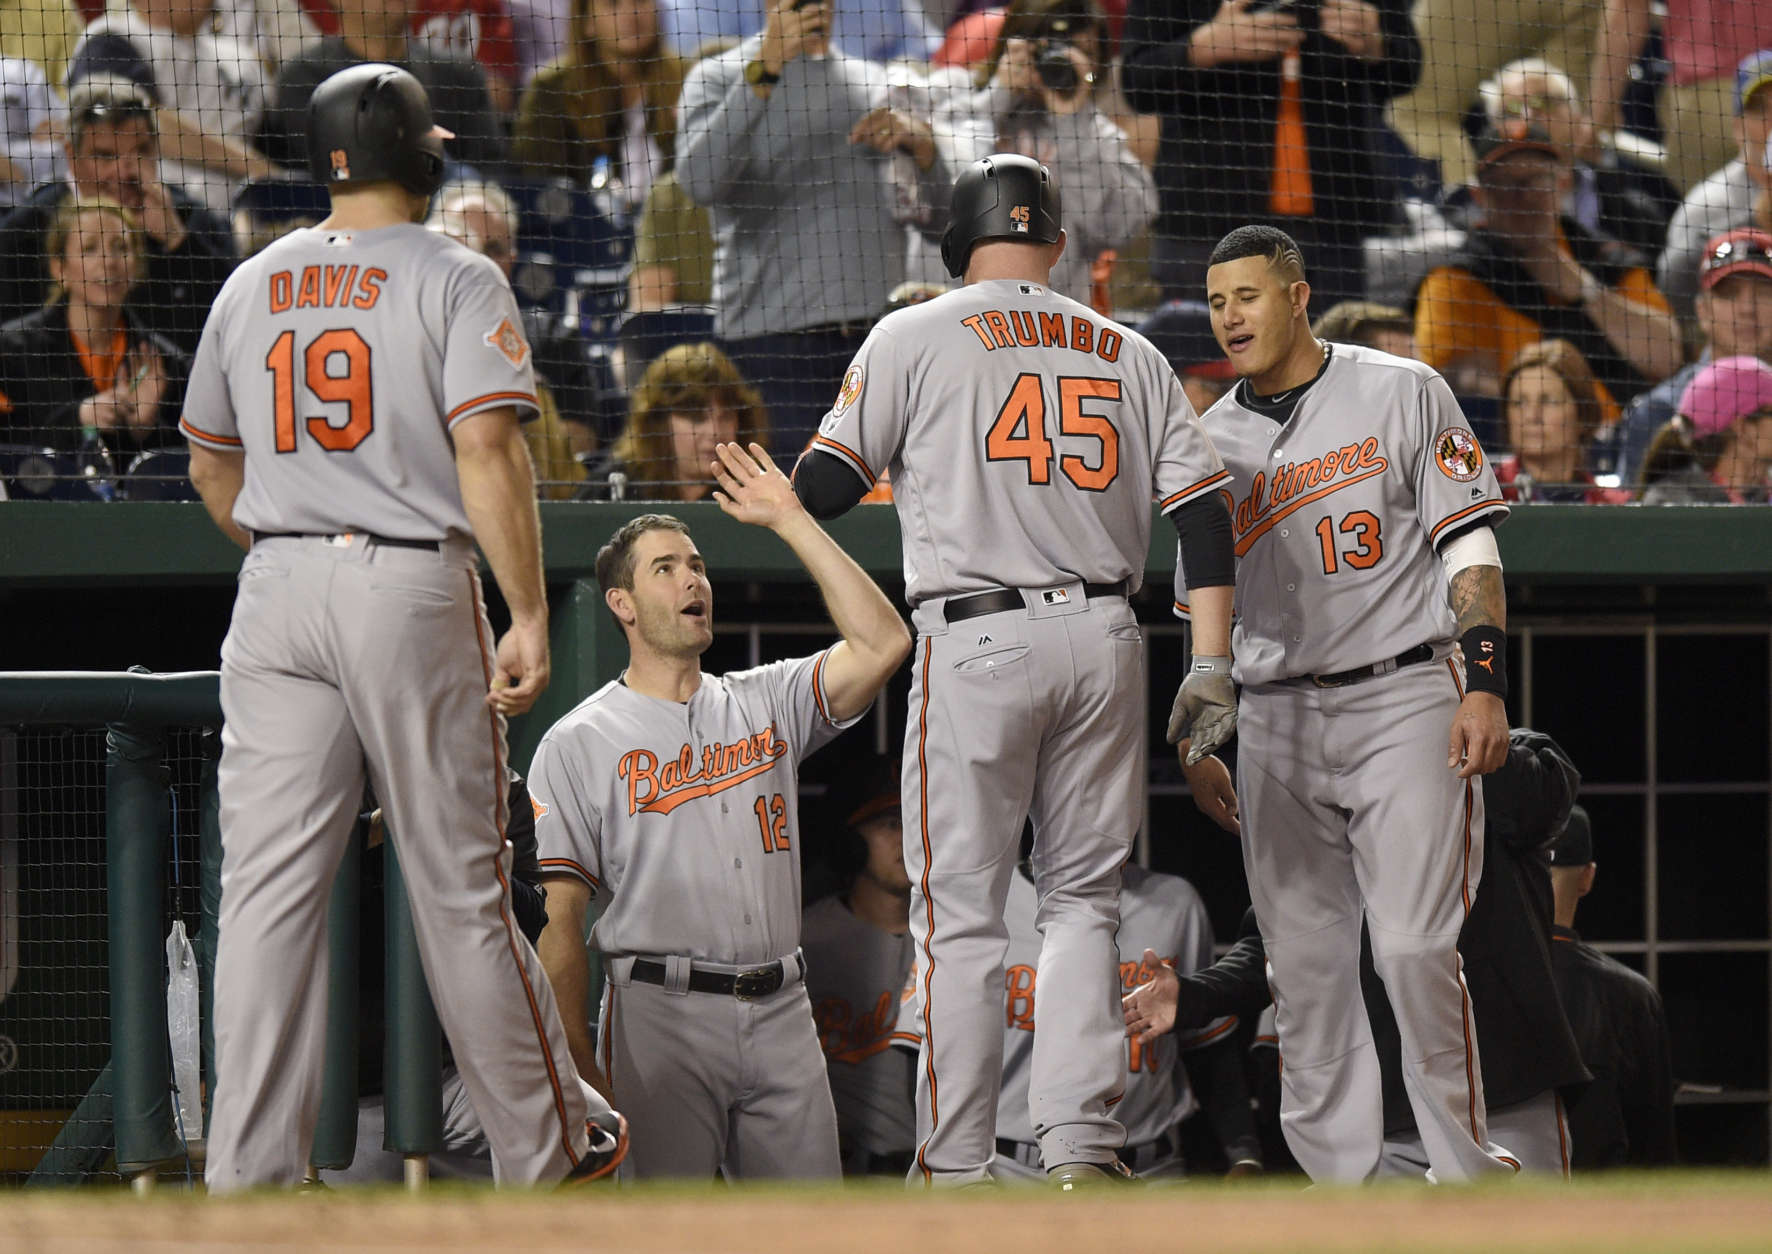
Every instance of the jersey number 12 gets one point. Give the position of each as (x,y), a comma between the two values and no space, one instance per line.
(350,389)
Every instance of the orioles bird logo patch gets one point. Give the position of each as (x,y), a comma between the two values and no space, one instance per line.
(341,165)
(539,806)
(1458,454)
(509,341)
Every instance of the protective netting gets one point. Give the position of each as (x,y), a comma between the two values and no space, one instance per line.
(55,1032)
(704,205)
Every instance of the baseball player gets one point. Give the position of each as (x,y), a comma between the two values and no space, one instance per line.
(1162,919)
(1025,435)
(672,794)
(858,959)
(1353,481)
(352,417)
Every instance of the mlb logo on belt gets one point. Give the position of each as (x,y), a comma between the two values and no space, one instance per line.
(1055,596)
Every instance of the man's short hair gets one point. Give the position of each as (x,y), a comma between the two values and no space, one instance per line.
(615,560)
(1284,257)
(461,196)
(1361,322)
(109,98)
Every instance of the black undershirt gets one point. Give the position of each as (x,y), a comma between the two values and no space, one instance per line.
(1281,406)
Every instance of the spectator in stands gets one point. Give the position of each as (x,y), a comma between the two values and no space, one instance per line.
(871,30)
(482,217)
(1038,95)
(1462,44)
(82,367)
(29,114)
(1182,331)
(1739,194)
(786,142)
(1268,117)
(1734,310)
(1702,41)
(612,96)
(541,31)
(1625,1118)
(673,250)
(690,399)
(474,30)
(376,30)
(1526,273)
(1718,449)
(43,32)
(211,90)
(1607,192)
(1551,407)
(1384,327)
(112,154)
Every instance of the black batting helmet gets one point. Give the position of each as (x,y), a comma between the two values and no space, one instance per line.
(1004,196)
(373,122)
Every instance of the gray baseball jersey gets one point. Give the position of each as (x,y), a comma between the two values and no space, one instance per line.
(855,976)
(1337,516)
(1025,434)
(373,343)
(335,363)
(684,817)
(1348,810)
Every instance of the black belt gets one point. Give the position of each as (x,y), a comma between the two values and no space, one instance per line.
(852,327)
(1153,1152)
(963,608)
(746,985)
(429,546)
(1409,657)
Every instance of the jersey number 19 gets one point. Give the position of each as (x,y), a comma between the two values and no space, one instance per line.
(351,389)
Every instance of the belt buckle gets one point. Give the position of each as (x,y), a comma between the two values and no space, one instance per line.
(1331,681)
(342,540)
(756,982)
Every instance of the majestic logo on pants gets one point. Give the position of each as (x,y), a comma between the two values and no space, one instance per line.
(653,789)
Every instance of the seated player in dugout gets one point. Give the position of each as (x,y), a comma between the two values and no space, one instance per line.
(858,957)
(673,795)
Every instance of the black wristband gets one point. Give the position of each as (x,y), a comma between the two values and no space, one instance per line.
(1485,659)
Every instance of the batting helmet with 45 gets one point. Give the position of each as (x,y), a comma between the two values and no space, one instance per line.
(1003,196)
(370,123)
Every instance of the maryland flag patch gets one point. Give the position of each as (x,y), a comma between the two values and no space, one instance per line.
(1458,454)
(508,341)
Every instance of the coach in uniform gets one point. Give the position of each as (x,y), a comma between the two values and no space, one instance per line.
(1359,492)
(352,416)
(1025,435)
(674,794)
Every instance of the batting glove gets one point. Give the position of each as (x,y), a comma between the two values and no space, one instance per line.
(1205,707)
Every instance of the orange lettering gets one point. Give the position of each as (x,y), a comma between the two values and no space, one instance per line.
(1082,335)
(1331,463)
(338,282)
(999,325)
(1369,453)
(1311,472)
(639,767)
(369,287)
(1108,347)
(1026,333)
(976,322)
(1052,326)
(1018,982)
(309,295)
(281,287)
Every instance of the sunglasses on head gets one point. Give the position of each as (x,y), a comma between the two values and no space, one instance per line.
(1735,251)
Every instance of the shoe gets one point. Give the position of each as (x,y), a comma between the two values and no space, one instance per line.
(1070,1177)
(609,1145)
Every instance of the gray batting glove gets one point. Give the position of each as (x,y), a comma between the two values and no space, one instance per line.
(1205,707)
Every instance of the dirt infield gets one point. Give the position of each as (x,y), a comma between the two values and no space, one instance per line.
(1665,1214)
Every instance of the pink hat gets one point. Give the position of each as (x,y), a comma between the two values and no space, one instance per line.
(1726,391)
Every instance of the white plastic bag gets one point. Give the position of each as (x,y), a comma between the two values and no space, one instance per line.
(183,1028)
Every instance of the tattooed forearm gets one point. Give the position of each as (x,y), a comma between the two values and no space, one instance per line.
(1478,598)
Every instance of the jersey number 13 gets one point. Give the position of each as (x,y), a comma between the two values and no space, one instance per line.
(323,356)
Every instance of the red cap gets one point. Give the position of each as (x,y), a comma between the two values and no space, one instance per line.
(1745,249)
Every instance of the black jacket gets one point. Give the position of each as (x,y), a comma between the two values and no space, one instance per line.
(173,297)
(42,378)
(1626,1117)
(1523,1039)
(1214,168)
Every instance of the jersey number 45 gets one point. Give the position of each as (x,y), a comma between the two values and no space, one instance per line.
(351,389)
(1019,432)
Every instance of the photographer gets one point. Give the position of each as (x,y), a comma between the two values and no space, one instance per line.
(1044,93)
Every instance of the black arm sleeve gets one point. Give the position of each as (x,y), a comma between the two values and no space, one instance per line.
(825,486)
(528,901)
(1216,1075)
(1208,559)
(1234,985)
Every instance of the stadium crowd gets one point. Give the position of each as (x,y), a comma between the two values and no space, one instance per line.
(1565,208)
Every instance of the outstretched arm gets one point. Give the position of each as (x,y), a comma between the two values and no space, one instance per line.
(875,640)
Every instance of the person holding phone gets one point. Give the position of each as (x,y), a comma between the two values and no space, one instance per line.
(1268,110)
